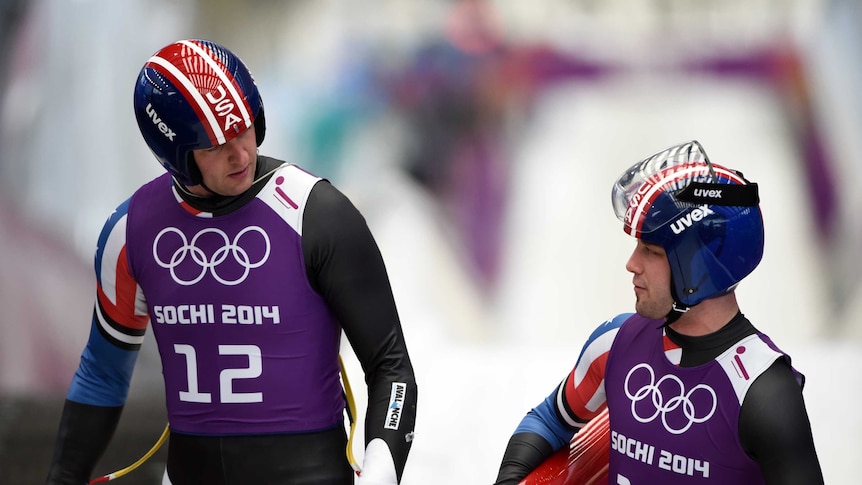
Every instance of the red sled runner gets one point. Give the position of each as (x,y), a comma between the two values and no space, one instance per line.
(583,462)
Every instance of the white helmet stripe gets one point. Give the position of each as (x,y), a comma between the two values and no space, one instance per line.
(195,94)
(669,177)
(216,67)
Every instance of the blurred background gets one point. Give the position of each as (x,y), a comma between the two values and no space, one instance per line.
(480,139)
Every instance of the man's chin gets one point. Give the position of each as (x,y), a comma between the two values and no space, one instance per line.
(651,312)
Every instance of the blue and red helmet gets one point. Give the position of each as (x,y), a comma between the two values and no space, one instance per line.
(194,94)
(705,216)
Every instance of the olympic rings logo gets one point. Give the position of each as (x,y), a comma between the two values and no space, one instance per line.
(679,400)
(197,256)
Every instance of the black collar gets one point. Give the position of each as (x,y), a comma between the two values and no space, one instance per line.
(220,205)
(702,349)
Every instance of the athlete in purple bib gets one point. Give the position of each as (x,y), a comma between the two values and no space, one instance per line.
(248,270)
(694,392)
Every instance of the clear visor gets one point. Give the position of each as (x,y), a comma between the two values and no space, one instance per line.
(669,170)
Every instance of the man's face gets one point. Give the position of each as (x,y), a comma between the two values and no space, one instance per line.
(651,278)
(228,169)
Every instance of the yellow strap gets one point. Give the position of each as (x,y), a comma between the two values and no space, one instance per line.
(351,406)
(124,471)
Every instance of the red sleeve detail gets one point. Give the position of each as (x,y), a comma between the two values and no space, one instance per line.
(123,312)
(578,397)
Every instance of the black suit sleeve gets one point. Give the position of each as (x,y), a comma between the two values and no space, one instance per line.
(775,430)
(345,266)
(524,453)
(83,436)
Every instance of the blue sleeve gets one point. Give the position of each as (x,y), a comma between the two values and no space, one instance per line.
(542,420)
(104,373)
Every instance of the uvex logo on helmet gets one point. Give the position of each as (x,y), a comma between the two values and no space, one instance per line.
(193,95)
(164,128)
(666,180)
(689,219)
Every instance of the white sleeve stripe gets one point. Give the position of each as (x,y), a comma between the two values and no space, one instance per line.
(122,337)
(561,393)
(598,398)
(670,177)
(141,308)
(594,350)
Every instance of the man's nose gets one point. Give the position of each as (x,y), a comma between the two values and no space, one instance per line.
(234,149)
(632,265)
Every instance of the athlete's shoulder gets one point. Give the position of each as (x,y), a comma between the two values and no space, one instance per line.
(290,182)
(619,320)
(112,237)
(114,225)
(121,211)
(600,341)
(117,218)
(750,358)
(611,325)
(286,169)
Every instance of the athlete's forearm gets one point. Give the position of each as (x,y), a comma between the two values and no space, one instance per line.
(83,436)
(524,453)
(345,265)
(391,414)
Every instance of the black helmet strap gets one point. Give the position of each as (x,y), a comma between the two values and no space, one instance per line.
(194,173)
(720,194)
